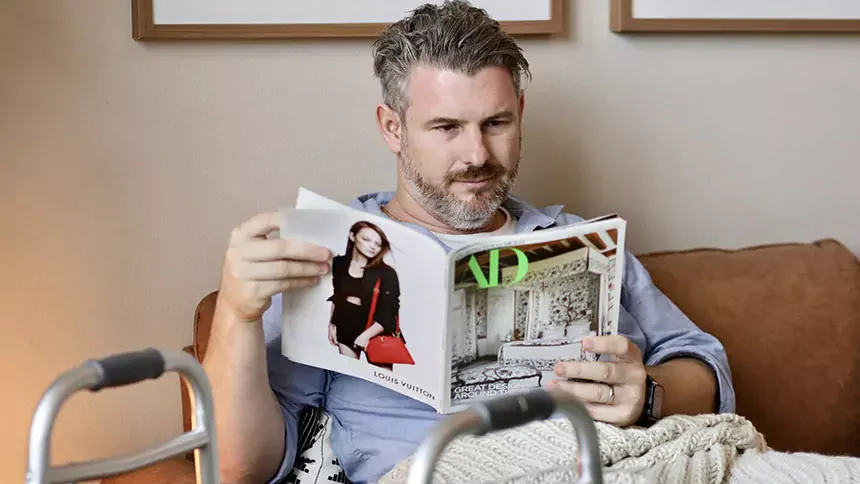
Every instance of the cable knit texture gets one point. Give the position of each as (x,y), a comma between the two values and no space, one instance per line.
(706,449)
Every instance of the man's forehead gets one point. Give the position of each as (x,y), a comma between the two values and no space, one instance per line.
(491,88)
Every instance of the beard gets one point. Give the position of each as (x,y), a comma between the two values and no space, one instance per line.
(445,207)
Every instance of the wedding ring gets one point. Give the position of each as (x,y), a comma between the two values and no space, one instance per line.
(611,394)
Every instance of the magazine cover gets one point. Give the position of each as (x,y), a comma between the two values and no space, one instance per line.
(379,313)
(517,309)
(447,329)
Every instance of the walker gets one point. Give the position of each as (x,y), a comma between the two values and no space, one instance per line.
(129,368)
(114,371)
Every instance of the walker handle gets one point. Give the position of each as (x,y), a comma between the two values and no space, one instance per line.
(513,411)
(127,368)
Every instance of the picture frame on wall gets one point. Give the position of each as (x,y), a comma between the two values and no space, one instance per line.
(278,19)
(630,16)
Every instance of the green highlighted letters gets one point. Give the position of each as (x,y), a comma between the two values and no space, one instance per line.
(483,282)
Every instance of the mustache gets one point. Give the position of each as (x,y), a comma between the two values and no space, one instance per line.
(473,173)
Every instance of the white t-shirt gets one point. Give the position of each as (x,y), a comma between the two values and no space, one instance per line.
(456,241)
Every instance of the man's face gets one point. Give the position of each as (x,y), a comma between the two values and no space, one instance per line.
(461,143)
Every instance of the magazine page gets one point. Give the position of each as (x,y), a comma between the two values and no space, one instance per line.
(521,303)
(309,199)
(379,313)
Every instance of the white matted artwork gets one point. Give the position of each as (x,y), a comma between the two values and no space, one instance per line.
(735,16)
(270,19)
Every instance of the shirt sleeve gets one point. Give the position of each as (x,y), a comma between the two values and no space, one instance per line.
(668,333)
(296,387)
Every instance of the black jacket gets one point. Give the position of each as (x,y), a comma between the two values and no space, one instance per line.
(388,302)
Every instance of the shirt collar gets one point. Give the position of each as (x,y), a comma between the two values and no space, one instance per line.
(529,218)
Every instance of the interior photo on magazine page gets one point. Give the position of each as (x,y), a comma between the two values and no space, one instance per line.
(379,313)
(518,309)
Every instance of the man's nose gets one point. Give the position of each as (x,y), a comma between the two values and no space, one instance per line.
(476,152)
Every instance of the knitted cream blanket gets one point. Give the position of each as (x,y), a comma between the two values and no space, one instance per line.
(706,449)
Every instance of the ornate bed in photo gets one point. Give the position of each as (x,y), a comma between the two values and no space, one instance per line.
(509,337)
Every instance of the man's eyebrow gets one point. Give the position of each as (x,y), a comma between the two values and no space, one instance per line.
(506,114)
(439,120)
(501,115)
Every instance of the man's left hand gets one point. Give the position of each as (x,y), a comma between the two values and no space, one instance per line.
(615,392)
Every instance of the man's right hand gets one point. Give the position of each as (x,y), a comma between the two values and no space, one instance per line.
(255,268)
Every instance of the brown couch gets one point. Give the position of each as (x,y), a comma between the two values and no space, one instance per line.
(788,315)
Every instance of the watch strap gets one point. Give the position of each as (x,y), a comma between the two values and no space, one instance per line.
(653,399)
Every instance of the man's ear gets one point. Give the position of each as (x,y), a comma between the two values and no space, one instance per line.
(390,127)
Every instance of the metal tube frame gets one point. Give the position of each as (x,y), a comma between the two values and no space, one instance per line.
(202,438)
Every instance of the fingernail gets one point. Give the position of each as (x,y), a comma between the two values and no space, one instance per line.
(323,268)
(558,369)
(588,344)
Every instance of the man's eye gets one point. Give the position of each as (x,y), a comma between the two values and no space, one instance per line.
(447,127)
(496,123)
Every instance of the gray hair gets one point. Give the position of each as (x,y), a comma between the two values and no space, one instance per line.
(454,36)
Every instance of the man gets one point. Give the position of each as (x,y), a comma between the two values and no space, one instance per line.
(452,115)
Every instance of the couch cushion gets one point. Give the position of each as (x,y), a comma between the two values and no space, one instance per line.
(789,317)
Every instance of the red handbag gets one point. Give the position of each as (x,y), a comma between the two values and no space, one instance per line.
(386,349)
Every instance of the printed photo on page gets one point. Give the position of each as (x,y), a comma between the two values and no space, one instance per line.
(379,313)
(517,310)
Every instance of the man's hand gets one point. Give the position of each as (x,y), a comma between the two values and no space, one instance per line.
(255,268)
(626,375)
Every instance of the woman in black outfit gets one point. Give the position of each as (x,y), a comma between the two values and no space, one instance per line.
(354,275)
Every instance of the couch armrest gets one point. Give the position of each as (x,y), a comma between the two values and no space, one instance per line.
(172,471)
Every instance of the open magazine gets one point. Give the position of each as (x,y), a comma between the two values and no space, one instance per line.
(449,328)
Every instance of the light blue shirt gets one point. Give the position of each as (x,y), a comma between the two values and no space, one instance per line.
(374,428)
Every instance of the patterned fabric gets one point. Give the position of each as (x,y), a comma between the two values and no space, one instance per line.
(703,449)
(521,315)
(315,462)
(480,313)
(548,353)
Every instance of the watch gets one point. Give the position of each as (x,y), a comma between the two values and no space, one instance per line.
(652,410)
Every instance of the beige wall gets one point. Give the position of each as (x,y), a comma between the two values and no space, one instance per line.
(124,166)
